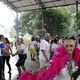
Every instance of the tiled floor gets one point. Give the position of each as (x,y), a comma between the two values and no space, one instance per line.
(30,65)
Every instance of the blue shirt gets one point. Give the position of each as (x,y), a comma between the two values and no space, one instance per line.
(1,47)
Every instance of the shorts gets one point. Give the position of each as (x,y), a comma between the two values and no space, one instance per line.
(21,60)
(32,50)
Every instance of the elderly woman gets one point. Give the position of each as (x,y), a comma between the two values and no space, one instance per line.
(61,67)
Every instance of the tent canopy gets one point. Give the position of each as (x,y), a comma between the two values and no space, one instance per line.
(29,5)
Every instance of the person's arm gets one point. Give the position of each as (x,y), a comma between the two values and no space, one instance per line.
(10,49)
(18,52)
(52,50)
(43,51)
(35,45)
(29,47)
(3,48)
(5,51)
(21,51)
(43,68)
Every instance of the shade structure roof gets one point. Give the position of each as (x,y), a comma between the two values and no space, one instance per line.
(29,5)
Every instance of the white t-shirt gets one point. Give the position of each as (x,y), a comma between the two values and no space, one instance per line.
(32,43)
(38,44)
(44,45)
(60,41)
(78,78)
(22,47)
(54,46)
(15,39)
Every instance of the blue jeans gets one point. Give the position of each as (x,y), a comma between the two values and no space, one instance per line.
(1,65)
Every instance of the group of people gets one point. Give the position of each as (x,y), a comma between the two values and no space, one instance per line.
(59,59)
(4,54)
(43,48)
(6,51)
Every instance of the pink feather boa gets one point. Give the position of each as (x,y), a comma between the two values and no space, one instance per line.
(58,62)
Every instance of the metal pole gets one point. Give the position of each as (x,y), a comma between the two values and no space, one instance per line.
(17,25)
(42,22)
(77,16)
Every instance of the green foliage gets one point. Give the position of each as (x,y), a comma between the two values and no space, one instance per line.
(75,28)
(56,21)
(12,32)
(28,23)
(72,8)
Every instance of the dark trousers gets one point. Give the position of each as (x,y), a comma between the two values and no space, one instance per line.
(7,59)
(1,65)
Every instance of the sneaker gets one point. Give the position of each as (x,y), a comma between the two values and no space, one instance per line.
(37,58)
(33,59)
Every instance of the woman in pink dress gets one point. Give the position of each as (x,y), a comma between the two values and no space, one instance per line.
(6,57)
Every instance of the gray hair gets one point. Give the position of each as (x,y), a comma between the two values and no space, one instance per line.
(47,34)
(69,39)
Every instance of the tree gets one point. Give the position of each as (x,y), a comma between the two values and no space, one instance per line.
(12,32)
(27,23)
(56,21)
(75,28)
(72,8)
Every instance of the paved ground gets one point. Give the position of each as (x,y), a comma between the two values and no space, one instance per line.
(30,65)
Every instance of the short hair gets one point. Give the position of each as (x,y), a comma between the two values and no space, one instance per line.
(1,36)
(69,39)
(72,37)
(56,40)
(47,34)
(33,39)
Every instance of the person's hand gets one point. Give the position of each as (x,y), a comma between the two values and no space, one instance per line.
(47,60)
(36,72)
(13,54)
(10,53)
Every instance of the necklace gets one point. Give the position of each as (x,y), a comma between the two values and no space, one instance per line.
(71,67)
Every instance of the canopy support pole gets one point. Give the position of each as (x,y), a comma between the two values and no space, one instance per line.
(42,22)
(17,25)
(77,15)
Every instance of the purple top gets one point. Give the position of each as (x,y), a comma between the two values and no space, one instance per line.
(7,49)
